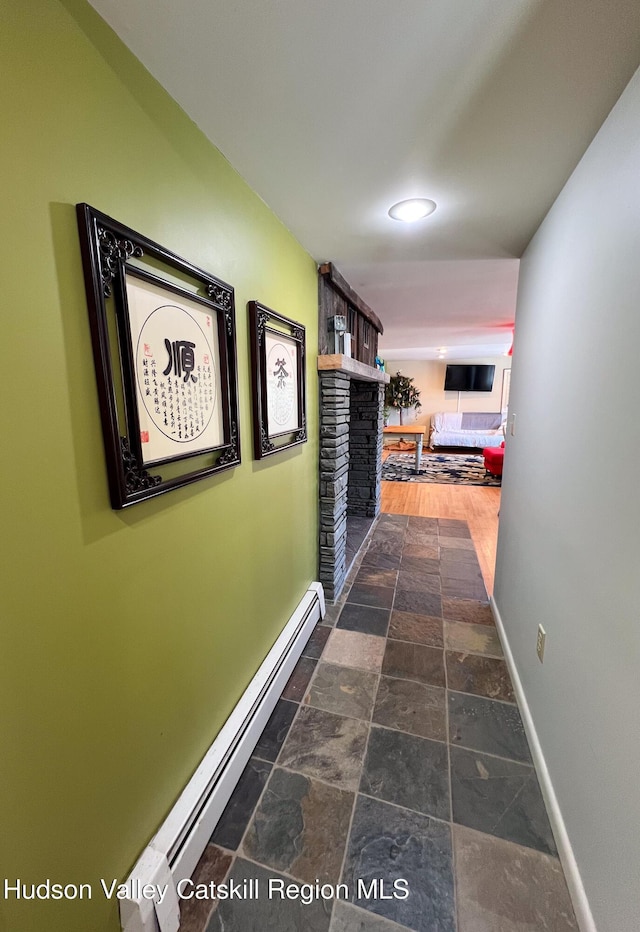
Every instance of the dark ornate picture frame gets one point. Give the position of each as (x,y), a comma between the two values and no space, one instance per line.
(278,349)
(187,427)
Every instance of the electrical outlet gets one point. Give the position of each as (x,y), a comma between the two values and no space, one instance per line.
(542,636)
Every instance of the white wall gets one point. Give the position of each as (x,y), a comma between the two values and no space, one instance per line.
(569,541)
(428,375)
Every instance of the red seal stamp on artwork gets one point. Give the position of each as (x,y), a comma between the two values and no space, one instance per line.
(144,436)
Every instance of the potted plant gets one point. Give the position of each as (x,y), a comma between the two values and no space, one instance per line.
(401,394)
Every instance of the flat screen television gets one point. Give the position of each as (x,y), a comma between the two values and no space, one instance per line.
(469,378)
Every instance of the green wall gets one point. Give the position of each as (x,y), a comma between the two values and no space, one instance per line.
(120,663)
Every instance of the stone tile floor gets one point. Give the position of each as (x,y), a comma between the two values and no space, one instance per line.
(394,762)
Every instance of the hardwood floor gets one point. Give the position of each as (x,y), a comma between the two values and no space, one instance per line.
(478,505)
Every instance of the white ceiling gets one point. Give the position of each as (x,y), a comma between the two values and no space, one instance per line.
(332,110)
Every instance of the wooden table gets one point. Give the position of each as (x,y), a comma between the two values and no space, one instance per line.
(410,430)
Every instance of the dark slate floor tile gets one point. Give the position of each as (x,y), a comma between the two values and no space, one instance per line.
(464,589)
(238,811)
(357,530)
(453,555)
(457,570)
(348,583)
(415,537)
(456,543)
(393,533)
(420,603)
(294,827)
(332,612)
(350,558)
(389,520)
(384,561)
(499,797)
(359,524)
(502,887)
(412,707)
(421,629)
(385,545)
(452,522)
(454,530)
(353,649)
(343,690)
(482,676)
(365,619)
(300,827)
(417,581)
(419,564)
(473,639)
(327,746)
(414,662)
(263,912)
(427,525)
(276,730)
(471,611)
(387,845)
(299,679)
(348,918)
(452,561)
(211,868)
(407,770)
(487,725)
(375,596)
(372,576)
(423,550)
(316,643)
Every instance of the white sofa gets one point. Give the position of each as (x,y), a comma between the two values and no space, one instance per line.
(474,429)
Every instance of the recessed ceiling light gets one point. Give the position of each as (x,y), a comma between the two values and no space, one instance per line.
(440,355)
(415,208)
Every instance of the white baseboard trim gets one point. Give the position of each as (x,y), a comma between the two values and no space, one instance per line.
(577,892)
(173,852)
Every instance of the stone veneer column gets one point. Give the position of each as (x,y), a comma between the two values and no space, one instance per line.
(334,479)
(365,448)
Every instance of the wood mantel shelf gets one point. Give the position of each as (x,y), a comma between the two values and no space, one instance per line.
(352,367)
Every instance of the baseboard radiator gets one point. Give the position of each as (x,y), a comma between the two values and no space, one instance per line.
(174,851)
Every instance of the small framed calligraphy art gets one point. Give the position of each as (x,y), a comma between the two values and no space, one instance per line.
(278,364)
(164,346)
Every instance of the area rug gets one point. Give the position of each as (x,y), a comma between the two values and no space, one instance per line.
(450,468)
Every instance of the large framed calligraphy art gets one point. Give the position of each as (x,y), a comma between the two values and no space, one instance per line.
(278,364)
(164,346)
